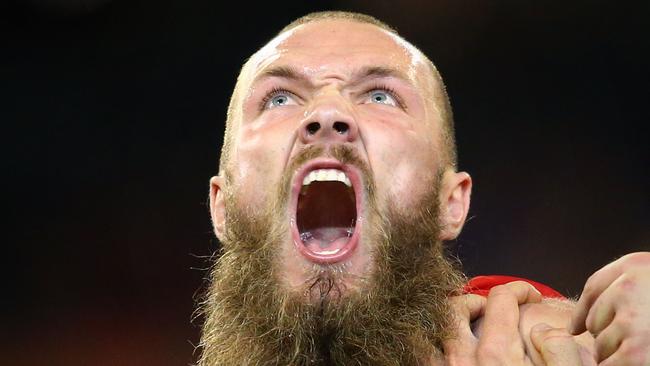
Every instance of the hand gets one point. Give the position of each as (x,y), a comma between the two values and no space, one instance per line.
(554,313)
(500,342)
(556,346)
(615,308)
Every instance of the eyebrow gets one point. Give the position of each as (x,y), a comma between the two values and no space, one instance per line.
(365,73)
(285,72)
(370,72)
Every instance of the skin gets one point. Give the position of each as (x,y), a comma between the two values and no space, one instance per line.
(399,141)
(614,306)
(496,339)
(556,314)
(609,325)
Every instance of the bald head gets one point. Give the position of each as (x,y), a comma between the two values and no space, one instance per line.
(423,71)
(337,188)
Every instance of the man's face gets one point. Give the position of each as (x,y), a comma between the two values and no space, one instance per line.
(323,85)
(333,207)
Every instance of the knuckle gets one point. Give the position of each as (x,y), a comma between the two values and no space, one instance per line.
(626,320)
(518,284)
(637,259)
(501,290)
(489,353)
(627,283)
(634,353)
(499,352)
(509,288)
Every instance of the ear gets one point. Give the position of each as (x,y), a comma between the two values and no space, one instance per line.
(455,193)
(217,206)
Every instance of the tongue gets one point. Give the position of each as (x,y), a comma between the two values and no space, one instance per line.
(326,240)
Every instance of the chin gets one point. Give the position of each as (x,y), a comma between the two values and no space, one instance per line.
(333,281)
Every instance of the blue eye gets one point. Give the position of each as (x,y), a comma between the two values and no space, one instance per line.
(279,100)
(382,97)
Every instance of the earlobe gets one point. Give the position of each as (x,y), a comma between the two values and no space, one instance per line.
(455,199)
(217,206)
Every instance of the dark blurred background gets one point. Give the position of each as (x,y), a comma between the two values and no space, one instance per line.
(112,115)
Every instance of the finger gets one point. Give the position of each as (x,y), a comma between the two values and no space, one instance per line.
(556,345)
(609,341)
(465,309)
(594,286)
(603,310)
(500,339)
(629,353)
(502,307)
(473,306)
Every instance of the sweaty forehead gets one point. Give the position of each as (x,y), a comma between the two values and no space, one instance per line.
(338,46)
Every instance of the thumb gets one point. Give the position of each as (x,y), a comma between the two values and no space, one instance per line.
(557,347)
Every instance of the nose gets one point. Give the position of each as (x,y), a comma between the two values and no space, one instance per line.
(328,120)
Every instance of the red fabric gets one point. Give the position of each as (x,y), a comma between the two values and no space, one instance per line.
(481,285)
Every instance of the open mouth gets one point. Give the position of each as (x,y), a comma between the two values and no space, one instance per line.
(326,217)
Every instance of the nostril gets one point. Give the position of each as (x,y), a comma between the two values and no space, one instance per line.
(341,127)
(313,127)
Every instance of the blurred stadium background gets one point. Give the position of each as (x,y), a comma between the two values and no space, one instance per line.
(112,115)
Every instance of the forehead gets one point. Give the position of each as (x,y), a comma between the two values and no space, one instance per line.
(339,46)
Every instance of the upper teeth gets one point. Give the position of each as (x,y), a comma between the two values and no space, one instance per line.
(326,175)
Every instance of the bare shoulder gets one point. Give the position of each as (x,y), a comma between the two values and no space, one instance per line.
(557,314)
(554,312)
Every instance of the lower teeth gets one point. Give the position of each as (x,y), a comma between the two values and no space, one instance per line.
(319,241)
(306,236)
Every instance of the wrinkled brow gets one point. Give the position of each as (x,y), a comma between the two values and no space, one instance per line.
(285,72)
(360,75)
(370,72)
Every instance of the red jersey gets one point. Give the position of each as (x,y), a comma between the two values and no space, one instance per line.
(481,285)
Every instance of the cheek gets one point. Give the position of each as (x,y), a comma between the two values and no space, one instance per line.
(404,165)
(259,158)
(408,185)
